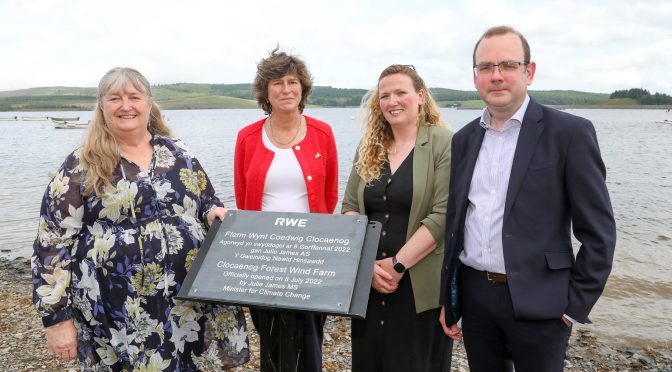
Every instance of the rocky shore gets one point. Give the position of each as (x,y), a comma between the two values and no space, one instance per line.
(23,348)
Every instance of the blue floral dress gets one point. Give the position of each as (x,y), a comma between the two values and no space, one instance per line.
(113,264)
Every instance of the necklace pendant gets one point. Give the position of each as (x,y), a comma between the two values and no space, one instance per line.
(317,155)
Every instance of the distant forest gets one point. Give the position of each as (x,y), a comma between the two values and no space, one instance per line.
(643,96)
(213,96)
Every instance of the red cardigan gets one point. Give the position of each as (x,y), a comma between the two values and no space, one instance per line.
(317,157)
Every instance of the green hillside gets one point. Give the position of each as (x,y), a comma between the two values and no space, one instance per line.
(205,102)
(568,97)
(222,96)
(50,91)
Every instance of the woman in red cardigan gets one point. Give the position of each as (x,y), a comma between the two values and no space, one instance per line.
(286,163)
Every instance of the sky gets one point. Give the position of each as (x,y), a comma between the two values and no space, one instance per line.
(593,46)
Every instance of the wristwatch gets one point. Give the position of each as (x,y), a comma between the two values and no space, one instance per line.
(398,266)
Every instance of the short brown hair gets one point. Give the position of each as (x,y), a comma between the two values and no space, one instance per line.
(503,30)
(275,66)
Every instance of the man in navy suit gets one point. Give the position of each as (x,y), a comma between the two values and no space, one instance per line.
(523,177)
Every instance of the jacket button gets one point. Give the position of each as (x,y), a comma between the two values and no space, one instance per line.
(309,178)
(297,147)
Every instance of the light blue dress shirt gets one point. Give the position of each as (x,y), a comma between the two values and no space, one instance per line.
(487,194)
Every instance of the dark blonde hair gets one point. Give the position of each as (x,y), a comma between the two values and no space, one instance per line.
(100,154)
(275,66)
(378,134)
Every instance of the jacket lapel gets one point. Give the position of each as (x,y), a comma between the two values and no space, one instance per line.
(421,164)
(473,148)
(530,131)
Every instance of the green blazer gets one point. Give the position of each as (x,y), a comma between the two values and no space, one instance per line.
(431,177)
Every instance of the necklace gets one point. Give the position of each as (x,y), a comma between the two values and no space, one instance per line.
(298,129)
(393,149)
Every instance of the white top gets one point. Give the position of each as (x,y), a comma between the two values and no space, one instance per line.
(284,188)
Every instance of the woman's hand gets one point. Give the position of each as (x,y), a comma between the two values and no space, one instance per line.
(388,266)
(217,212)
(383,281)
(62,340)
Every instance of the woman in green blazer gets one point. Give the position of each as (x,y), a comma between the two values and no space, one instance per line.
(400,178)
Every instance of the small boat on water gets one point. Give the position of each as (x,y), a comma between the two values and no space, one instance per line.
(56,118)
(61,124)
(10,118)
(34,118)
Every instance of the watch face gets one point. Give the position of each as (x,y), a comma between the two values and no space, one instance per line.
(399,267)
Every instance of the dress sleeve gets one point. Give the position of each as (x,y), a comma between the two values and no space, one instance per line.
(60,223)
(208,198)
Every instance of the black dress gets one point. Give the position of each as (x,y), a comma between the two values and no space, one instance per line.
(289,341)
(393,337)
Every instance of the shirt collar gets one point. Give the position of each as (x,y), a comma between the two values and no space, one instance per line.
(516,119)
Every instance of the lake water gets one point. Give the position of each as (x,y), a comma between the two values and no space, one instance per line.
(636,308)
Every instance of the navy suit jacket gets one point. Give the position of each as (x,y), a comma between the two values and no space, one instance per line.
(557,184)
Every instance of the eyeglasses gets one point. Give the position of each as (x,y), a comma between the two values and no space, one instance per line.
(504,67)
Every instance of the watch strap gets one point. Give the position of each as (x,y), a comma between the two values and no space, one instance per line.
(398,266)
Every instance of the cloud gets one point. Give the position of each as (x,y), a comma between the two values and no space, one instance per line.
(598,46)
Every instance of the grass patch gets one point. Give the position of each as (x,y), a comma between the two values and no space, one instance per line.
(206,102)
(472,104)
(619,102)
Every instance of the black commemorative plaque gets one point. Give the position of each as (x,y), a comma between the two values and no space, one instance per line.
(296,261)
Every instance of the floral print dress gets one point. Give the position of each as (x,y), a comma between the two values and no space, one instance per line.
(113,264)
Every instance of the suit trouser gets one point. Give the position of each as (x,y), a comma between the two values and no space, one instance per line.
(496,341)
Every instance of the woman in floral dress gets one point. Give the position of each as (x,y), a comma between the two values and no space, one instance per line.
(120,226)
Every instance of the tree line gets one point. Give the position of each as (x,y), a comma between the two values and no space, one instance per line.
(77,98)
(643,96)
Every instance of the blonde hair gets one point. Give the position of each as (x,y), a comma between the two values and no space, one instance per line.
(100,153)
(378,134)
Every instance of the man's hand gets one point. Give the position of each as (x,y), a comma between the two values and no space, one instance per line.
(453,331)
